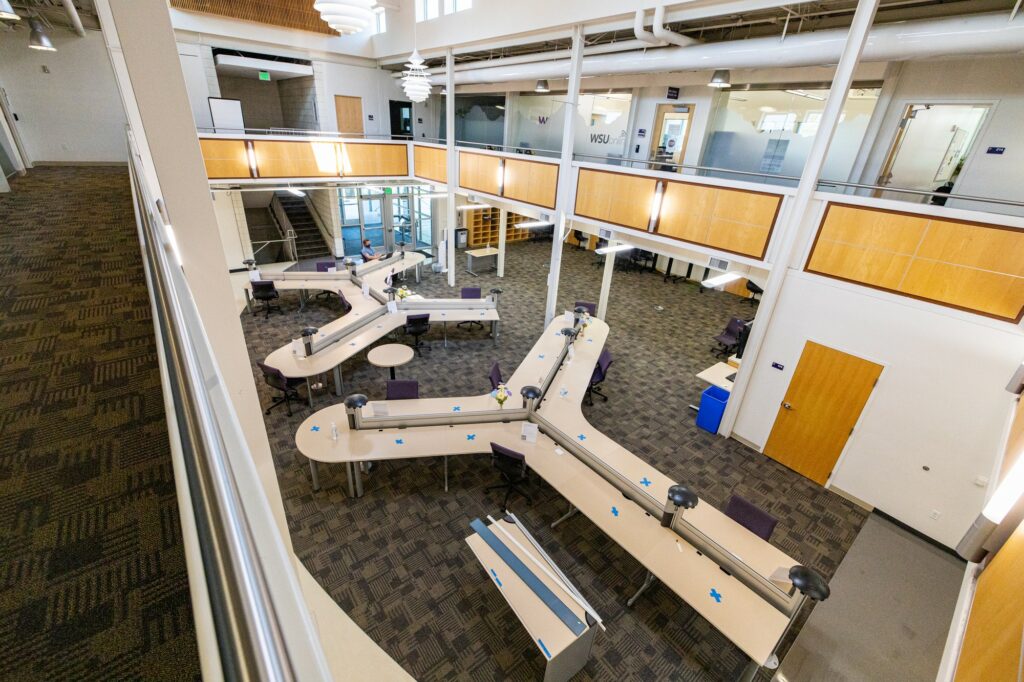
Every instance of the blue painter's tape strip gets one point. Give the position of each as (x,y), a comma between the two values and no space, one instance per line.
(544,648)
(545,594)
(496,578)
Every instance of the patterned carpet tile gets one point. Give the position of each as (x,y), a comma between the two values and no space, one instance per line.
(396,559)
(93,583)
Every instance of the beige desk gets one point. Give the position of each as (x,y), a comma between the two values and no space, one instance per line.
(717,375)
(390,355)
(486,257)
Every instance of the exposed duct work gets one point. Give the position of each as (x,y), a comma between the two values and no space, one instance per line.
(662,33)
(76,21)
(639,31)
(604,48)
(973,34)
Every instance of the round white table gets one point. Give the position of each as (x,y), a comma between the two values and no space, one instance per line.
(390,355)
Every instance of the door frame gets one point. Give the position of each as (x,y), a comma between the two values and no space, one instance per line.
(895,141)
(399,135)
(658,125)
(842,348)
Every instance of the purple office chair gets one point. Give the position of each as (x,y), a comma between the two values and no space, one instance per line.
(403,389)
(289,388)
(495,376)
(604,361)
(758,522)
(511,465)
(591,307)
(471,292)
(729,339)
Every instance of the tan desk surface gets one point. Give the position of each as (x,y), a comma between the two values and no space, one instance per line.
(376,278)
(390,355)
(716,375)
(540,621)
(483,253)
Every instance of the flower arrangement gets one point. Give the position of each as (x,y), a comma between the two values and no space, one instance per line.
(584,323)
(501,394)
(403,293)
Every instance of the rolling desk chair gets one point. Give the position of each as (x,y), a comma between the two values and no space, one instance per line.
(729,339)
(325,266)
(417,326)
(471,292)
(511,465)
(403,389)
(758,522)
(599,257)
(289,387)
(604,361)
(591,307)
(266,292)
(581,239)
(755,291)
(495,376)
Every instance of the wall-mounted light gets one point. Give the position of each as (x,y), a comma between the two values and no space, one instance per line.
(542,86)
(7,12)
(531,224)
(612,249)
(656,200)
(720,79)
(721,280)
(38,39)
(471,207)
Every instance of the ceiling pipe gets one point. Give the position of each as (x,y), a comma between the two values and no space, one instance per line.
(639,31)
(76,21)
(662,33)
(926,39)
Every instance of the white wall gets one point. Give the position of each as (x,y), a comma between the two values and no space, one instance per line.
(73,113)
(197,82)
(999,80)
(375,86)
(940,401)
(233,229)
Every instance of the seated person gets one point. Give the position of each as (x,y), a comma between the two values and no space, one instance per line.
(367,252)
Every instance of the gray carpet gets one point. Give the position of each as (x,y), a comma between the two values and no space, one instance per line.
(395,559)
(93,584)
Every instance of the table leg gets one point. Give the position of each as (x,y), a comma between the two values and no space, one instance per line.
(309,391)
(302,300)
(446,473)
(392,370)
(648,581)
(248,301)
(315,475)
(444,325)
(565,516)
(339,384)
(418,272)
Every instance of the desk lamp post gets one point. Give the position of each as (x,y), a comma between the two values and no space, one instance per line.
(495,293)
(570,335)
(530,395)
(812,585)
(401,249)
(353,403)
(250,264)
(307,339)
(577,315)
(391,291)
(679,497)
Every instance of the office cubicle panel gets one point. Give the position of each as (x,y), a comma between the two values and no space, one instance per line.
(531,182)
(480,172)
(225,159)
(374,159)
(971,266)
(430,163)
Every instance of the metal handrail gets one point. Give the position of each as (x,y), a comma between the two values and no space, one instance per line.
(248,616)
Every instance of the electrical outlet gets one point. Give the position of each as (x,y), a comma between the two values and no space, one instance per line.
(934,516)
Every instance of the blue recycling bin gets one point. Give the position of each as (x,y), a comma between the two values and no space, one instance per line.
(712,407)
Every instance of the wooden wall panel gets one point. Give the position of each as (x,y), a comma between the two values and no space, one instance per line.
(299,159)
(225,158)
(992,643)
(288,13)
(371,160)
(479,172)
(430,163)
(970,266)
(737,221)
(532,182)
(617,198)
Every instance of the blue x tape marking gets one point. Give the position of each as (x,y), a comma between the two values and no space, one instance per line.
(399,441)
(716,595)
(590,340)
(645,482)
(471,436)
(540,357)
(496,579)
(615,511)
(581,437)
(456,409)
(315,428)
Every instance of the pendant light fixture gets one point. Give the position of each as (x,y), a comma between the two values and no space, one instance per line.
(542,86)
(7,12)
(38,38)
(415,81)
(720,79)
(346,16)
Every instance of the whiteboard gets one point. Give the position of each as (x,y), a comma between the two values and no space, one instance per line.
(227,115)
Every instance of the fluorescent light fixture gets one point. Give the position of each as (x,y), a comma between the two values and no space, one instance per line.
(498,106)
(251,154)
(7,12)
(721,280)
(720,79)
(501,177)
(529,224)
(808,95)
(542,86)
(470,207)
(1007,493)
(612,249)
(38,38)
(656,200)
(296,192)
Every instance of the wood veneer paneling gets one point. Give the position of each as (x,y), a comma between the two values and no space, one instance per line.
(288,13)
(298,159)
(374,160)
(737,221)
(430,163)
(617,198)
(479,172)
(225,158)
(532,182)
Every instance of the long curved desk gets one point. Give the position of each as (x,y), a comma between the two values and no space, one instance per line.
(726,573)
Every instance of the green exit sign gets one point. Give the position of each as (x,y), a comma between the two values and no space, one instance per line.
(388,190)
(264,75)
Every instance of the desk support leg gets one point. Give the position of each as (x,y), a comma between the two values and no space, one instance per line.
(302,300)
(315,475)
(648,581)
(445,327)
(248,301)
(495,331)
(565,516)
(309,391)
(339,383)
(446,473)
(355,480)
(418,273)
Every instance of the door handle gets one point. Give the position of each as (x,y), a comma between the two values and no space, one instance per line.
(787,406)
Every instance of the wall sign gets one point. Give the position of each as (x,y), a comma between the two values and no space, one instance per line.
(777,365)
(995,150)
(370,117)
(642,132)
(673,93)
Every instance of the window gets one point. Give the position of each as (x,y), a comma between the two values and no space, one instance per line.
(426,9)
(779,121)
(452,6)
(380,23)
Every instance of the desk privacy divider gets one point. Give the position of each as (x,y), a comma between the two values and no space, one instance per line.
(972,266)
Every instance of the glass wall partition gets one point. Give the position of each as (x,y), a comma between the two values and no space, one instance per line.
(479,120)
(385,216)
(536,123)
(768,132)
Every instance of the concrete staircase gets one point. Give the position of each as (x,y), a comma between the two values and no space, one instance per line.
(309,241)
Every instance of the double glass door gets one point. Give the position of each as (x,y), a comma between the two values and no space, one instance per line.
(385,216)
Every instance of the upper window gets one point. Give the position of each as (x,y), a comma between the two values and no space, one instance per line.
(431,9)
(380,24)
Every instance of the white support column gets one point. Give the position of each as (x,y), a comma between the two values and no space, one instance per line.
(565,172)
(449,136)
(794,216)
(502,227)
(606,282)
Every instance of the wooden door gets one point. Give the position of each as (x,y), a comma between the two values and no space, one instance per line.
(350,113)
(823,403)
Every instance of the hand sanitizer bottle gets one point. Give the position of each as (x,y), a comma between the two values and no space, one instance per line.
(334,431)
